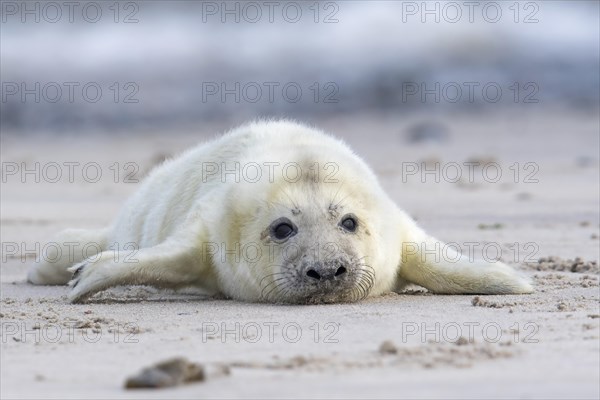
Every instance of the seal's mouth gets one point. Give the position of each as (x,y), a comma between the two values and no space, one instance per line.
(330,298)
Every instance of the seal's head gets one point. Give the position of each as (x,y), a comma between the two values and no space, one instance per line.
(318,240)
(307,241)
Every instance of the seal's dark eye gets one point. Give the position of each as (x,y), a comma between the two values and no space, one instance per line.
(349,223)
(283,228)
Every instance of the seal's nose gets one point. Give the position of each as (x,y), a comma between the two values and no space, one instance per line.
(311,273)
(326,272)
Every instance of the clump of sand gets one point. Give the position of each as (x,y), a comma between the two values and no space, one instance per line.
(479,302)
(554,263)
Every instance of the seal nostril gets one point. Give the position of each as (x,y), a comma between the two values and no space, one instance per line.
(313,274)
(340,271)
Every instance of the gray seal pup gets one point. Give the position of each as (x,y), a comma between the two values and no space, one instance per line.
(273,211)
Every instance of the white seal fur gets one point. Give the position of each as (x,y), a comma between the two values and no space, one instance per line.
(273,211)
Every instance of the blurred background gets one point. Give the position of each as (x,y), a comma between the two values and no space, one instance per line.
(407,84)
(129,66)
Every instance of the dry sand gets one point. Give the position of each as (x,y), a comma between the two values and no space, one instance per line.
(544,345)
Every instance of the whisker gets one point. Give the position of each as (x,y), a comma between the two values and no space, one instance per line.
(336,193)
(275,282)
(284,292)
(281,283)
(340,202)
(268,276)
(362,285)
(365,281)
(290,198)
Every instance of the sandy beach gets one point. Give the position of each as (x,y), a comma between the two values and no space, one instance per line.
(543,345)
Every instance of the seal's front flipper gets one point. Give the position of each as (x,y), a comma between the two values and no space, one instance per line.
(441,269)
(169,265)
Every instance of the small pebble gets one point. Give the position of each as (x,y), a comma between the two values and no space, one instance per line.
(167,373)
(174,372)
(387,347)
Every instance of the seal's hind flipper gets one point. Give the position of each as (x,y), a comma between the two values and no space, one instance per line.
(73,246)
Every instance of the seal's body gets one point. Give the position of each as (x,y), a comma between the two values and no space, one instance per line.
(272,211)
